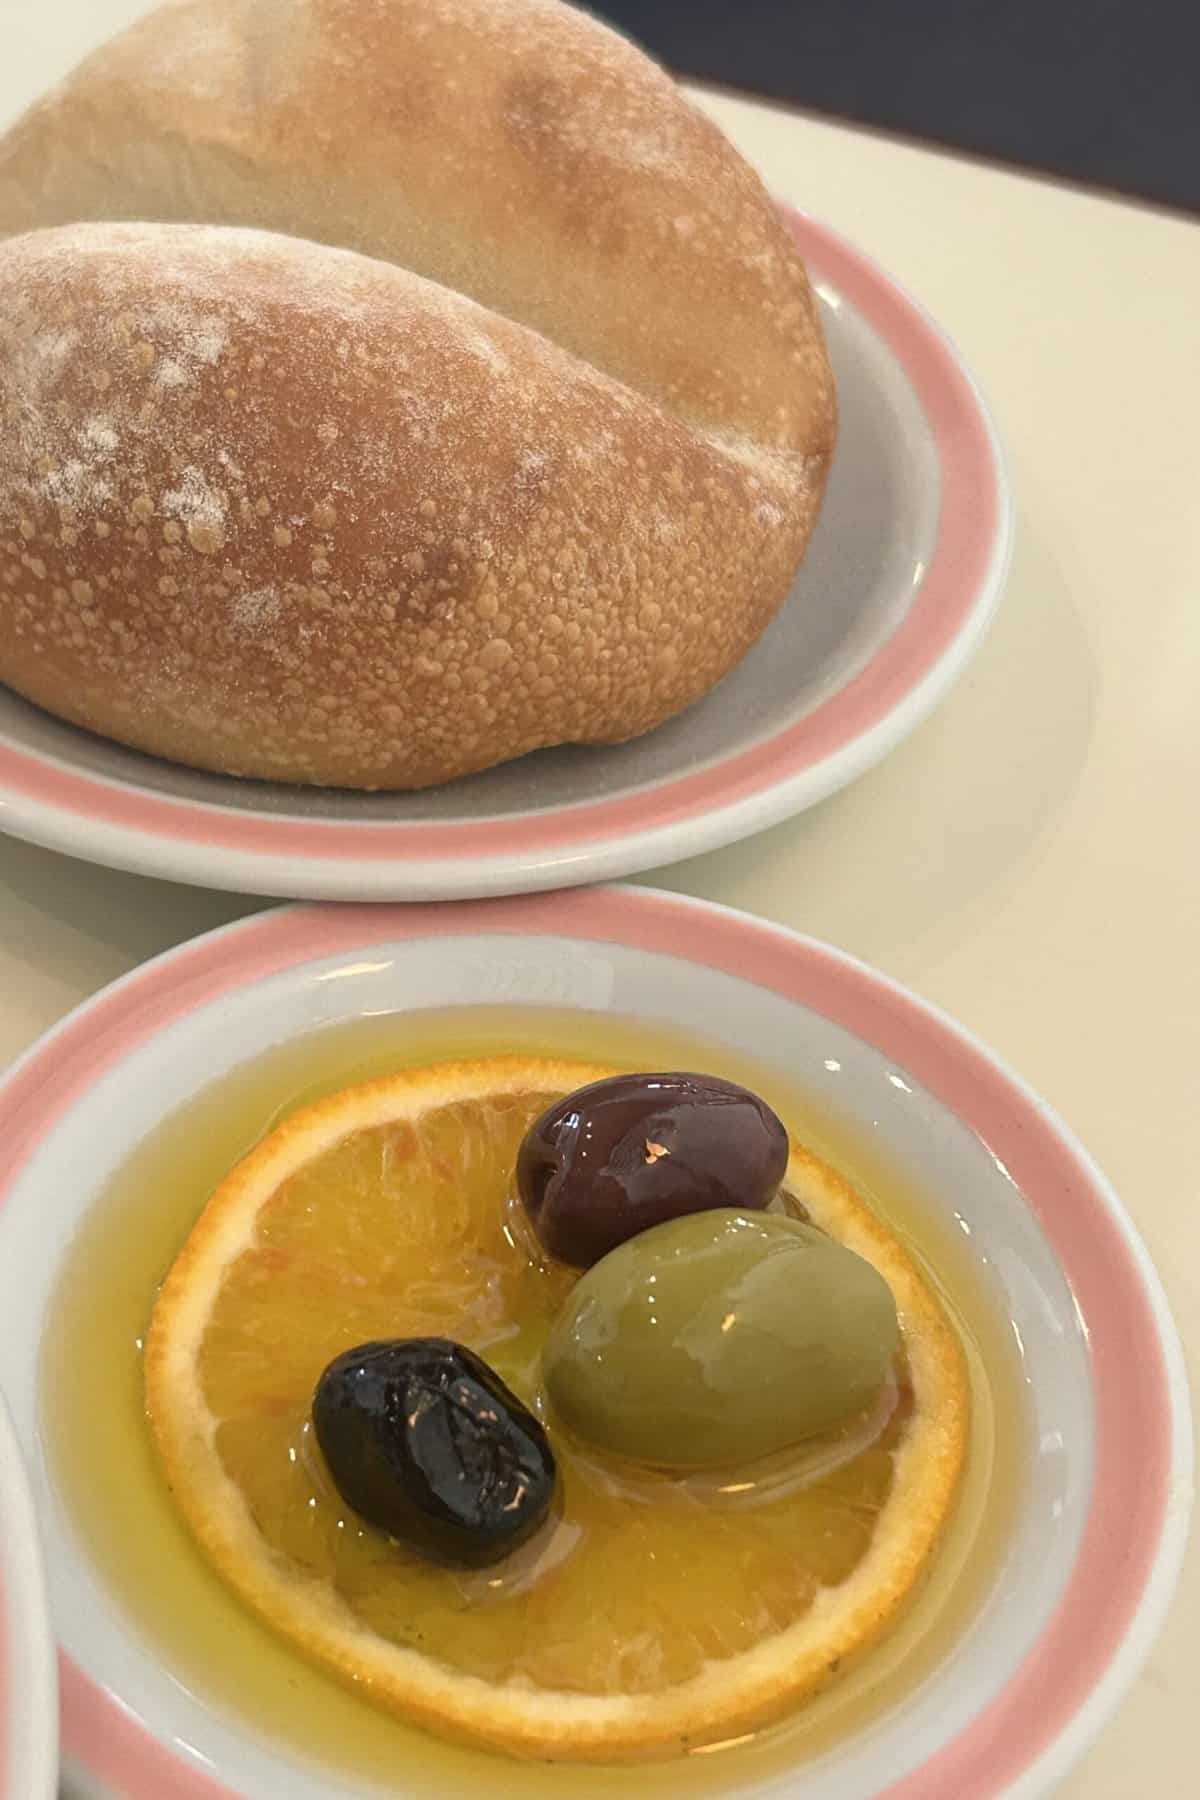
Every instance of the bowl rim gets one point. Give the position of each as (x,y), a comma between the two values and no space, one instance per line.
(115,822)
(28,1671)
(1030,1731)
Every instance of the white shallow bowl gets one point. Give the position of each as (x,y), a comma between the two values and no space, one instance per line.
(904,572)
(28,1678)
(1099,1521)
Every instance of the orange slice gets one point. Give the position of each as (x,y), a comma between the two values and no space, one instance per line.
(656,1613)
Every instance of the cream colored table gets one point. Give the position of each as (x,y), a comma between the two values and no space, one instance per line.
(1030,860)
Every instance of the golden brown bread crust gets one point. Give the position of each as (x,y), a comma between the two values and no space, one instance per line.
(514,149)
(495,544)
(277,509)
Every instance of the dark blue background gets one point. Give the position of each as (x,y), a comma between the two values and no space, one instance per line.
(1105,92)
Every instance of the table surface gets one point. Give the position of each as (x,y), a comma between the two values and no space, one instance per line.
(1025,860)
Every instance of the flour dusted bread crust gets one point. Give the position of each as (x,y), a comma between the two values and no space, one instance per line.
(278,498)
(282,510)
(516,150)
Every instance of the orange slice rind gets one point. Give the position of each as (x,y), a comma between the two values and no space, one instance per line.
(649,1619)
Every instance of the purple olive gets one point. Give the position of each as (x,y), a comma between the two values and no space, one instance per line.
(621,1155)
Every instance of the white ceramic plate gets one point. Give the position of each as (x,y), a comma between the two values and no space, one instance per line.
(904,571)
(28,1679)
(1067,1612)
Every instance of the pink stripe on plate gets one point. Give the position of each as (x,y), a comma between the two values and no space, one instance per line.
(939,613)
(1134,1445)
(108,1742)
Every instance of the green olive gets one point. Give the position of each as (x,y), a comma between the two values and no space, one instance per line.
(717,1338)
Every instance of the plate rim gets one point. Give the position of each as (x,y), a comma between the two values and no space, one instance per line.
(28,1667)
(1086,1670)
(122,825)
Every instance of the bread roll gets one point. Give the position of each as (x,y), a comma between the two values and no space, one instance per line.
(278,509)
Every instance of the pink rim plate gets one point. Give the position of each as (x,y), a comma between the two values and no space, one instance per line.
(683,814)
(28,1686)
(1118,1588)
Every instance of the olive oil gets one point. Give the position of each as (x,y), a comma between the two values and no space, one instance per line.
(100,1452)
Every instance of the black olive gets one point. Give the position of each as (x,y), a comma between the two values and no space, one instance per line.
(621,1155)
(426,1443)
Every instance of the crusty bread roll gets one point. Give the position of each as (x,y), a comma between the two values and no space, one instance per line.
(279,509)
